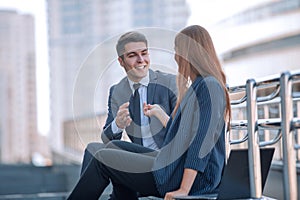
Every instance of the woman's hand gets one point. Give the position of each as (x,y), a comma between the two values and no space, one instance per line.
(152,110)
(157,111)
(188,178)
(179,192)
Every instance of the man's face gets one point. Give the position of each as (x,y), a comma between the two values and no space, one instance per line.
(136,60)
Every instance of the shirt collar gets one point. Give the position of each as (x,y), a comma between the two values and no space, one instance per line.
(145,81)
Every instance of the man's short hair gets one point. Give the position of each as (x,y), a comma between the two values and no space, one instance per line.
(132,36)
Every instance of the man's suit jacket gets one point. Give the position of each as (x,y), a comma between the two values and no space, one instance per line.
(161,90)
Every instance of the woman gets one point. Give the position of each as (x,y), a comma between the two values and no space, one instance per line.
(192,159)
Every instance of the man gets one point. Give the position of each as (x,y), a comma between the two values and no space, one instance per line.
(154,88)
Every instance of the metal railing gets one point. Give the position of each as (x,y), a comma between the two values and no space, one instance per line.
(289,163)
(280,87)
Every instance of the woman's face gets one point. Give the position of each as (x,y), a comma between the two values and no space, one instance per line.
(179,60)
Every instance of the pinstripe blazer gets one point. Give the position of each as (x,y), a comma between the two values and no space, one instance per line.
(195,139)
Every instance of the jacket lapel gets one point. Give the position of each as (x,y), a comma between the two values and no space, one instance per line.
(189,96)
(151,87)
(124,92)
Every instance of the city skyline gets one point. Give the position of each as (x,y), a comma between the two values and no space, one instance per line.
(38,9)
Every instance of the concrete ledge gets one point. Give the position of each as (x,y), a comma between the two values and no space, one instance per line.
(44,196)
(28,179)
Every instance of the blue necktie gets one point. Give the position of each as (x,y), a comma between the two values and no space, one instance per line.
(135,113)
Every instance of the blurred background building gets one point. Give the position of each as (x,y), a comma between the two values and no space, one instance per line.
(19,138)
(262,41)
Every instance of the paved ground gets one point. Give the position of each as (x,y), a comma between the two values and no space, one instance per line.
(108,190)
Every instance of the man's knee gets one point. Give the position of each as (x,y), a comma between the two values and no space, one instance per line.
(115,144)
(93,147)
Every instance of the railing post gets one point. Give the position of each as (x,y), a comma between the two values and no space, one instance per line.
(289,162)
(253,141)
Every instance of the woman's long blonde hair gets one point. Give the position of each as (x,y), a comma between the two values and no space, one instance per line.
(195,54)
